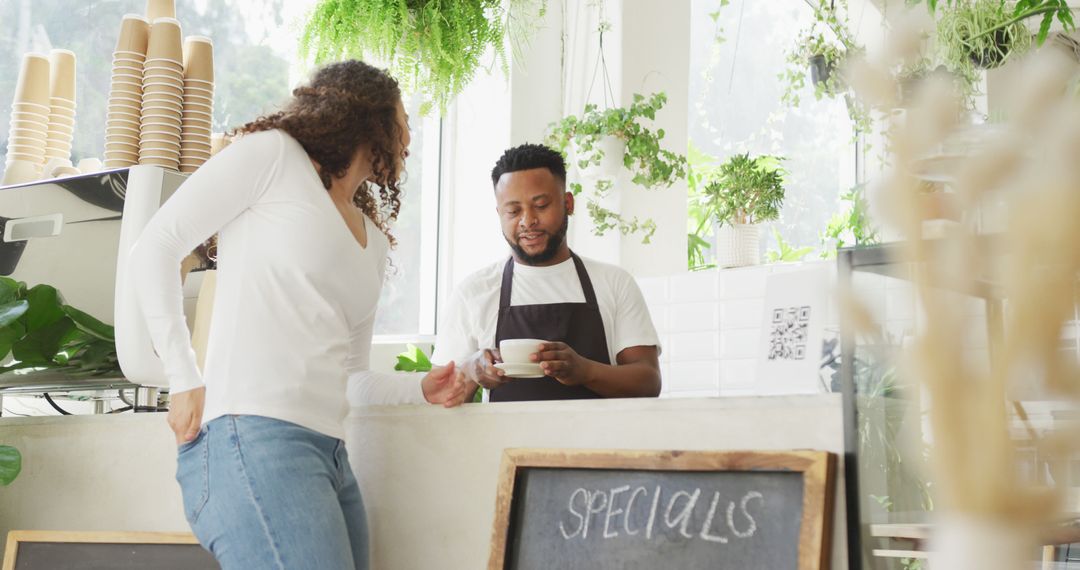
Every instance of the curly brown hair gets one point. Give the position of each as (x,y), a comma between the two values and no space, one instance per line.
(348,104)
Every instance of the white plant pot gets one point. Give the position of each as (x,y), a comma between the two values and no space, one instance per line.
(613,148)
(964,542)
(738,245)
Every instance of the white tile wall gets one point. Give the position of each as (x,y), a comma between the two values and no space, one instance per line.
(710,323)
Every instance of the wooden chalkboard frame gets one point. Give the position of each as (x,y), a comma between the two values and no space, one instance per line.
(817,468)
(17,537)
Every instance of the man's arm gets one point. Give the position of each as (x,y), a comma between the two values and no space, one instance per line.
(635,374)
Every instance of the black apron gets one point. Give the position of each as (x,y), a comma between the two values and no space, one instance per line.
(577,324)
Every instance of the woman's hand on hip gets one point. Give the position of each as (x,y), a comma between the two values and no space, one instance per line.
(185,413)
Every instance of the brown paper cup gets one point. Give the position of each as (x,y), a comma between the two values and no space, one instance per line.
(199,58)
(134,34)
(62,74)
(33,83)
(160,9)
(165,41)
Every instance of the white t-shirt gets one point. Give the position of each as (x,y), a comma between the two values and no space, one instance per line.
(469,322)
(296,293)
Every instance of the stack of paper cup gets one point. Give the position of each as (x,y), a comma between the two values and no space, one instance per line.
(198,102)
(125,97)
(61,107)
(163,96)
(29,121)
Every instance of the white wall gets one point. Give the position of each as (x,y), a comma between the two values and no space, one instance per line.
(647,50)
(428,475)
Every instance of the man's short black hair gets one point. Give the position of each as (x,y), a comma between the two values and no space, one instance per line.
(527,157)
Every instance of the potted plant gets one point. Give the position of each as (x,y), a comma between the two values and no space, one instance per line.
(823,48)
(742,193)
(1046,10)
(980,34)
(10,464)
(431,47)
(599,141)
(39,331)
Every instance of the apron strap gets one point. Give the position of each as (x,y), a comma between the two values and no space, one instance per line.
(583,277)
(507,283)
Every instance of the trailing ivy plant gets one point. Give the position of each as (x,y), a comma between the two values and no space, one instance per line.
(433,47)
(651,165)
(746,190)
(823,48)
(39,331)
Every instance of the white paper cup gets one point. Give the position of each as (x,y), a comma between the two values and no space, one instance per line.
(30,119)
(18,133)
(21,171)
(88,165)
(31,107)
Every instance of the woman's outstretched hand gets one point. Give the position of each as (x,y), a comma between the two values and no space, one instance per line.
(444,385)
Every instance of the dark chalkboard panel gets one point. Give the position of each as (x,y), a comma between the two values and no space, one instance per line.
(49,550)
(663,509)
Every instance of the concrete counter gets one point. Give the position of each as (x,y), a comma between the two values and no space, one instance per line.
(428,474)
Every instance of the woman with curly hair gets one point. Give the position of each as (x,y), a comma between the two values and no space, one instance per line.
(302,203)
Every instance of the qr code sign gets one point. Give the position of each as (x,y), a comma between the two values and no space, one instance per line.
(787,340)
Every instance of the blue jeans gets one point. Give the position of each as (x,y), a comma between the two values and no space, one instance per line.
(264,493)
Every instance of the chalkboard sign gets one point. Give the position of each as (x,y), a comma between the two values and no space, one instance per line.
(642,510)
(52,550)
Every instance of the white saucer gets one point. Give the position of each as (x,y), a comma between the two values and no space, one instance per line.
(528,370)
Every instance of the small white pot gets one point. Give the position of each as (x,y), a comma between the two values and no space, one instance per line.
(608,169)
(738,245)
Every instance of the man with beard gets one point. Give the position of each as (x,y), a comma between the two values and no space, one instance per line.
(601,342)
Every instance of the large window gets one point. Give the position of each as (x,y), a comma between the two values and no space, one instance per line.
(256,62)
(738,50)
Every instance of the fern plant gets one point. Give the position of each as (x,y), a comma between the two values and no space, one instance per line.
(433,47)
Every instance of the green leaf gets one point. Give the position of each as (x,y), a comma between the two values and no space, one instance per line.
(10,312)
(39,346)
(10,464)
(412,360)
(10,289)
(45,302)
(1044,27)
(89,324)
(8,336)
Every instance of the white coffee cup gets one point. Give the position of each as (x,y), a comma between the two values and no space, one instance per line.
(518,350)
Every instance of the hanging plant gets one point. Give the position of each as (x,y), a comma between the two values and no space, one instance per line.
(433,47)
(579,138)
(822,49)
(1046,10)
(979,35)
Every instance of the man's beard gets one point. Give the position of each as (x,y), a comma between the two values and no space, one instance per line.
(554,241)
